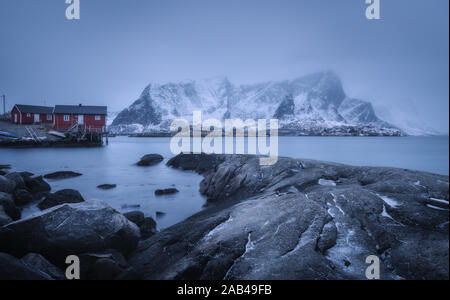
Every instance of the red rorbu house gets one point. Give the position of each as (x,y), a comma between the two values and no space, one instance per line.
(89,118)
(30,114)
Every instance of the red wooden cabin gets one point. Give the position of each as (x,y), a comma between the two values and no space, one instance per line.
(90,118)
(31,114)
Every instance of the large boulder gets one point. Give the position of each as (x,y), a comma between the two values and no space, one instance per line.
(137,217)
(12,268)
(22,197)
(281,222)
(37,261)
(106,265)
(7,201)
(62,175)
(70,229)
(17,178)
(150,160)
(7,185)
(4,218)
(36,184)
(60,197)
(199,163)
(147,226)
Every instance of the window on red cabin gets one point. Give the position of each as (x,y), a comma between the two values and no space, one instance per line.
(49,117)
(28,115)
(98,118)
(66,118)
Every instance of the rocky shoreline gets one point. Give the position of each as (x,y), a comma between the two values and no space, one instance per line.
(35,247)
(298,219)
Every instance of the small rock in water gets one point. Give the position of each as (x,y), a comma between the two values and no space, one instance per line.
(160,214)
(150,160)
(127,206)
(5,167)
(62,175)
(107,186)
(166,192)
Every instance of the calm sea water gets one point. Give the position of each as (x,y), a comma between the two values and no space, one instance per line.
(115,164)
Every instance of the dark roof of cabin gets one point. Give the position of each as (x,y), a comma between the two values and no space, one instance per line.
(35,109)
(81,110)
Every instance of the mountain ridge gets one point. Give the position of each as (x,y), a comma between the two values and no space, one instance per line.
(314,104)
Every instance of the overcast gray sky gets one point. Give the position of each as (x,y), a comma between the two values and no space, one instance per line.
(400,63)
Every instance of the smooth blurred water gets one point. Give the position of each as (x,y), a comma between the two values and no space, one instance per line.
(115,164)
(429,154)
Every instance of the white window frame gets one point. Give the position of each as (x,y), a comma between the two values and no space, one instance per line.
(66,118)
(28,115)
(98,118)
(49,117)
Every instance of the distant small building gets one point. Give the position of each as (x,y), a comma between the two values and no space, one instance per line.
(91,118)
(31,114)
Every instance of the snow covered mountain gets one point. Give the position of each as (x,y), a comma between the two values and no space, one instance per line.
(310,105)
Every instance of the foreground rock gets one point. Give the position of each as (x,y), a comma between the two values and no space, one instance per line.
(38,262)
(62,175)
(17,178)
(170,191)
(4,218)
(106,265)
(60,197)
(12,268)
(9,207)
(283,222)
(150,160)
(36,184)
(137,217)
(7,185)
(147,226)
(22,197)
(70,229)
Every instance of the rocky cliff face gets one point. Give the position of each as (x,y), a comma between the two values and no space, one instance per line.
(303,219)
(314,104)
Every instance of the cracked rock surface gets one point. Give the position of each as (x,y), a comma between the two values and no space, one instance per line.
(303,219)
